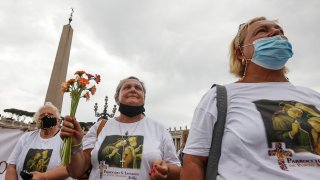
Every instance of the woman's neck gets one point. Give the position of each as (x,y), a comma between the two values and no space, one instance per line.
(48,133)
(256,74)
(126,119)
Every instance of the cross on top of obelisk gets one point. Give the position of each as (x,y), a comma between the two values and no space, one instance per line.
(70,18)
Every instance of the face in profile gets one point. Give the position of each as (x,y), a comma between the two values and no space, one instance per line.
(133,141)
(315,123)
(294,112)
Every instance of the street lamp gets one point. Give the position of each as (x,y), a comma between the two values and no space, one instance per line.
(104,113)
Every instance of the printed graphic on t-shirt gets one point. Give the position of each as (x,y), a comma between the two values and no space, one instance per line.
(121,151)
(37,160)
(291,127)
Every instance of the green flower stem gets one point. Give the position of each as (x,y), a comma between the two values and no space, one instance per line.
(67,142)
(66,151)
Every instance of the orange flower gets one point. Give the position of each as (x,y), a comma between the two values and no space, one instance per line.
(80,73)
(64,87)
(90,76)
(87,96)
(83,81)
(93,89)
(78,89)
(71,81)
(97,78)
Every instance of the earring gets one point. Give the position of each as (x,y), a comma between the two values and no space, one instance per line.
(245,63)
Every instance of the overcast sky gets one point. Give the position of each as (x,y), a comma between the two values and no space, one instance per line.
(177,47)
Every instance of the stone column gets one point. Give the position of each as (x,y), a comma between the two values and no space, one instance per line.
(59,71)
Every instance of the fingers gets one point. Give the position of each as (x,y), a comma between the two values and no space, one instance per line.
(35,175)
(71,128)
(159,170)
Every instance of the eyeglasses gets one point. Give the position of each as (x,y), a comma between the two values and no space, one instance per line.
(46,114)
(3,166)
(241,26)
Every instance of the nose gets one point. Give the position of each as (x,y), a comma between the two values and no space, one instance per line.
(276,31)
(132,89)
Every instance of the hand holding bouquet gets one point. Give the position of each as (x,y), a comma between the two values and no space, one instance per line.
(78,88)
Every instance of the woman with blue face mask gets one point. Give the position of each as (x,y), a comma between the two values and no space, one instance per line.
(269,132)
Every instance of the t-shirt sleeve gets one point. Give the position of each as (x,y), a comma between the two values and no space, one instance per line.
(14,156)
(200,135)
(90,139)
(169,150)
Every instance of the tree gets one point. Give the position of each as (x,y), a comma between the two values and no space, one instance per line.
(18,113)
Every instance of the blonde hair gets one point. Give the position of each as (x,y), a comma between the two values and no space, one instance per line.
(116,95)
(48,106)
(236,66)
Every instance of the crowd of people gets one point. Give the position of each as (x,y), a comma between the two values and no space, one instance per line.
(272,128)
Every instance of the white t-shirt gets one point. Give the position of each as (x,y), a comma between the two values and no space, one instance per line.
(257,142)
(33,153)
(131,156)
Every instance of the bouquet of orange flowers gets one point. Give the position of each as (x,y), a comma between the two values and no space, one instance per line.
(78,88)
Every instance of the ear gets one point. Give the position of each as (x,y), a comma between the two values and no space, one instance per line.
(239,54)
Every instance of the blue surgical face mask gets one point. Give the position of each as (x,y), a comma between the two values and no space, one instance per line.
(271,52)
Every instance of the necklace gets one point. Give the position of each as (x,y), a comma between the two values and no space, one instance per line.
(127,131)
(124,141)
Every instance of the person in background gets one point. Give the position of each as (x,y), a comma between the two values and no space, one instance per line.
(251,146)
(183,143)
(130,146)
(37,153)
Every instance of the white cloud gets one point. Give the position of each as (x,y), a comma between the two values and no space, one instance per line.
(179,48)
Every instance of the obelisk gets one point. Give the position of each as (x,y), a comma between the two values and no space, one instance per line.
(59,71)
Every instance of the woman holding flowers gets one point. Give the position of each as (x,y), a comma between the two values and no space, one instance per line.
(130,146)
(37,153)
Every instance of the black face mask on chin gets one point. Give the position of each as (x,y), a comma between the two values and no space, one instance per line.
(131,110)
(48,122)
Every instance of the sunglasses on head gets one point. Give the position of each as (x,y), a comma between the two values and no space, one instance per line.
(3,166)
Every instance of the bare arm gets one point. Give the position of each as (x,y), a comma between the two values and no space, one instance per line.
(80,163)
(174,172)
(11,172)
(194,167)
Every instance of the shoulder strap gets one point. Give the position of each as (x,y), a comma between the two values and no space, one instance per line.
(101,125)
(217,134)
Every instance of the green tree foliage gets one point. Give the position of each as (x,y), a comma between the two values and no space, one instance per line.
(86,125)
(18,113)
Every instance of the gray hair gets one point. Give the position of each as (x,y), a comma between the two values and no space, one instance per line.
(48,106)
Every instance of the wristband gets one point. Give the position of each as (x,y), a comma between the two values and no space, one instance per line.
(76,148)
(77,145)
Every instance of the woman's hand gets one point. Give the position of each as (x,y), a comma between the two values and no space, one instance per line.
(38,176)
(160,170)
(71,128)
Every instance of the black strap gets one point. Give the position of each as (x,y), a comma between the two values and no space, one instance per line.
(217,134)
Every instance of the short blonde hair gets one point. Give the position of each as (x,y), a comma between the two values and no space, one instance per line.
(47,107)
(236,67)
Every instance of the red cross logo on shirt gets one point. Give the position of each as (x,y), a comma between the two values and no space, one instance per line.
(280,153)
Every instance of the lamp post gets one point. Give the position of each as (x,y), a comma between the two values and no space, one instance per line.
(104,114)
